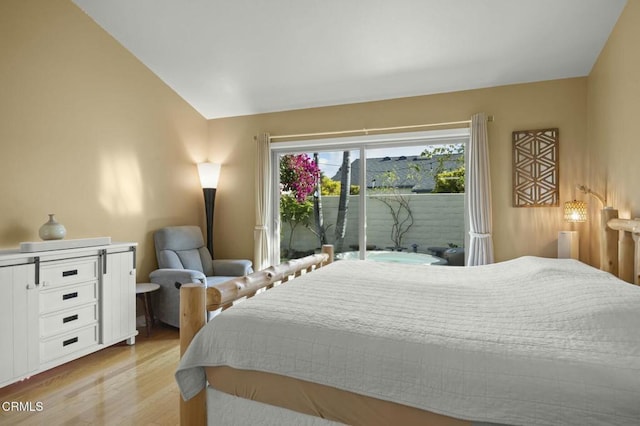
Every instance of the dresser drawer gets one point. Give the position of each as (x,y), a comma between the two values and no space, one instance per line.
(68,320)
(64,272)
(68,343)
(68,297)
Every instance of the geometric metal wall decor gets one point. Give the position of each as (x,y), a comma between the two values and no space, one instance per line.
(535,168)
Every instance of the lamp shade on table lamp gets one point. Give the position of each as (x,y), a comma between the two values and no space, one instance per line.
(575,211)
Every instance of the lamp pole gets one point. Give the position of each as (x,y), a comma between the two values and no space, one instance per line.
(209,204)
(209,174)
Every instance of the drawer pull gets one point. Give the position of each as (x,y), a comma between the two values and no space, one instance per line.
(70,295)
(70,341)
(69,273)
(69,318)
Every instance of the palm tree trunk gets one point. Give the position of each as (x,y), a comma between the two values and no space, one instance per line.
(317,208)
(343,203)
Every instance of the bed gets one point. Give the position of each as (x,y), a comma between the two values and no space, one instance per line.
(527,341)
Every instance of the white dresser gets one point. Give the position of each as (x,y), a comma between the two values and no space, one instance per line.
(58,305)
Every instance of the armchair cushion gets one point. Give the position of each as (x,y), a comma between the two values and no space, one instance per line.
(182,247)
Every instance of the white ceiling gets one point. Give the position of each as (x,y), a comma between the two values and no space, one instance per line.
(240,57)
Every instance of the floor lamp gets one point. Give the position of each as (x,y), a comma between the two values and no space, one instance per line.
(209,174)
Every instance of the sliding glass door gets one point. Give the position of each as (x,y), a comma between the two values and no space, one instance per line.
(415,198)
(318,204)
(369,196)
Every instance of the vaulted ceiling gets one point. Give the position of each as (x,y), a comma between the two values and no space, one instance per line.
(240,57)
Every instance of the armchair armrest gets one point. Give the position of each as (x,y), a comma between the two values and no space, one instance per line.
(169,277)
(166,301)
(232,267)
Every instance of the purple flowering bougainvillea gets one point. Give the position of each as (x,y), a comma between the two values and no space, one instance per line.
(299,174)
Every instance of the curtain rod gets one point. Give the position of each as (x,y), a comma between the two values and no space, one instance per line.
(375,130)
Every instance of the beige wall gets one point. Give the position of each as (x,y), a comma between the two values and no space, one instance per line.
(90,134)
(517,231)
(614,111)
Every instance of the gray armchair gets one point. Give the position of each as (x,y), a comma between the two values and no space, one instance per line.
(183,258)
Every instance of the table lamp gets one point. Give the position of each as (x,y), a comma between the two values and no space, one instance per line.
(569,241)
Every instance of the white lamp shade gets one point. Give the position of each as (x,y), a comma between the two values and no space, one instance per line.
(209,174)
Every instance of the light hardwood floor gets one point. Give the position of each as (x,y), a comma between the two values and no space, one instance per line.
(119,385)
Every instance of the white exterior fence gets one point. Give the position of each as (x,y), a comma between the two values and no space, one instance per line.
(438,222)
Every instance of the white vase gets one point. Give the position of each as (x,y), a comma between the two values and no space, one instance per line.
(52,230)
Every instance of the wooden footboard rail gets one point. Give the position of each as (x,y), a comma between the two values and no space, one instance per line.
(196,300)
(620,246)
(223,295)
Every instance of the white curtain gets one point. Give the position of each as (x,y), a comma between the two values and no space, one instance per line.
(263,202)
(478,191)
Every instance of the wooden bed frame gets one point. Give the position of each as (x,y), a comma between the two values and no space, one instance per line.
(619,255)
(620,246)
(196,300)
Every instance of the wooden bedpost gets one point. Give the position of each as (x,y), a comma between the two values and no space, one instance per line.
(628,248)
(608,242)
(192,319)
(636,255)
(328,249)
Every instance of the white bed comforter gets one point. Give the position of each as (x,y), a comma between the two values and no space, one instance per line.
(527,341)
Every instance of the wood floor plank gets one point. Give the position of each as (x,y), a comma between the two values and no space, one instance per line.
(119,385)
